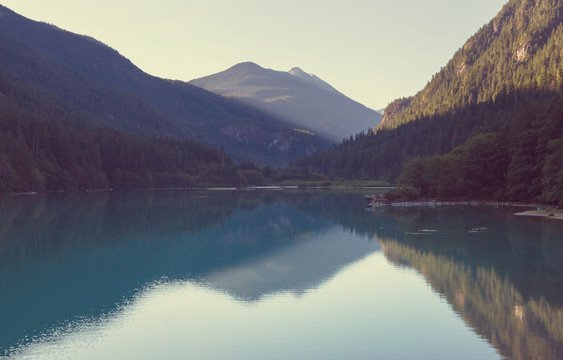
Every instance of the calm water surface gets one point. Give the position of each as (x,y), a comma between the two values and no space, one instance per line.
(274,275)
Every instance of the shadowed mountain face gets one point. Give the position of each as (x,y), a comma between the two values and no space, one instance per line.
(304,100)
(94,81)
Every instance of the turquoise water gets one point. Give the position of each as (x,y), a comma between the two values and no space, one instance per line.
(276,275)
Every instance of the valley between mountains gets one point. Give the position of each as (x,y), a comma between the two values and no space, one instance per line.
(75,114)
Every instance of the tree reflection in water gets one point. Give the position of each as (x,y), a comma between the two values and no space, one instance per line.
(501,273)
(503,281)
(78,255)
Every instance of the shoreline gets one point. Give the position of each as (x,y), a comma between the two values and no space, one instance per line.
(550,214)
(381,203)
(201,187)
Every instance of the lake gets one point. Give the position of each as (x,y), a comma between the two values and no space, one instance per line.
(269,274)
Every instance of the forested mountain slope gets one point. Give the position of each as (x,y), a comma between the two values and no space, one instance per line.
(47,146)
(303,100)
(506,80)
(519,51)
(97,81)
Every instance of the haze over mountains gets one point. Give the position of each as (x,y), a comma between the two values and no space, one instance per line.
(95,81)
(497,104)
(303,100)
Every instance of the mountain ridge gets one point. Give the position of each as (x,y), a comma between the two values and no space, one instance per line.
(302,99)
(493,63)
(96,80)
(297,71)
(489,125)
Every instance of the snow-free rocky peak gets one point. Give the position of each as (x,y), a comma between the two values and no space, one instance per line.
(303,100)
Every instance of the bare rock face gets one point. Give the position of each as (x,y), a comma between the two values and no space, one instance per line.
(394,108)
(298,72)
(461,68)
(522,53)
(278,142)
(242,133)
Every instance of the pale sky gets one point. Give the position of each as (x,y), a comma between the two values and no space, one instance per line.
(374,51)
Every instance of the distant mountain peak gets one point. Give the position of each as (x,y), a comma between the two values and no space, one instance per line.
(297,71)
(92,82)
(302,99)
(246,66)
(311,78)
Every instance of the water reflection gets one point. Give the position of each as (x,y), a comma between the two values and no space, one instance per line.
(76,263)
(68,257)
(301,267)
(502,274)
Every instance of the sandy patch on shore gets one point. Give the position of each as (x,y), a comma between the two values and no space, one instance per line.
(557,214)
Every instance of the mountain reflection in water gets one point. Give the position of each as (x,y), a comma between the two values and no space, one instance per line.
(82,256)
(78,256)
(502,274)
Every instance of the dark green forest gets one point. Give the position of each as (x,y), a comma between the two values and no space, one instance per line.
(502,93)
(46,146)
(488,125)
(76,115)
(521,162)
(95,81)
(38,155)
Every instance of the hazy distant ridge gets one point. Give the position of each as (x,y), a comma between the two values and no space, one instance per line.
(95,80)
(302,99)
(489,124)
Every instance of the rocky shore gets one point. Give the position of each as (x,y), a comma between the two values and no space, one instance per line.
(378,203)
(555,214)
